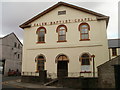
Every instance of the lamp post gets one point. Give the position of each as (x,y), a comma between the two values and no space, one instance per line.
(93,56)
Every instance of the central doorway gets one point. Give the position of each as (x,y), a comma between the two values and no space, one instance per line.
(62,66)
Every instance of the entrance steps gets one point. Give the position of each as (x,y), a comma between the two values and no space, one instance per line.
(51,82)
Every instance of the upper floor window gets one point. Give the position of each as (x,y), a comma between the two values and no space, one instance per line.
(19,46)
(61,30)
(41,34)
(18,56)
(84,31)
(114,52)
(15,44)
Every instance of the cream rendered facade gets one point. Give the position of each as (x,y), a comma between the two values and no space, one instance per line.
(73,48)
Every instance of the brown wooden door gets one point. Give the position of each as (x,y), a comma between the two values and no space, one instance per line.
(62,69)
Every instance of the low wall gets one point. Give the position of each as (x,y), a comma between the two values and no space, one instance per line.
(30,79)
(79,82)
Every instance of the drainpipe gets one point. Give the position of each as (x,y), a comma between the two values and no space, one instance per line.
(93,56)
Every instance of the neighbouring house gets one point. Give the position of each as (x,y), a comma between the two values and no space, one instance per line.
(11,54)
(107,73)
(114,48)
(65,40)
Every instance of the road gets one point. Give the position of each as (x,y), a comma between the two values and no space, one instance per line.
(6,85)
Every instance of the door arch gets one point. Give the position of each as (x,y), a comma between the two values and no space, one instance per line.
(62,65)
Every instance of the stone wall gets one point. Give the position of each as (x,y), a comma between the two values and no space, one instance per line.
(79,82)
(106,73)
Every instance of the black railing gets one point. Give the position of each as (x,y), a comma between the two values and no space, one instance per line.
(54,75)
(30,74)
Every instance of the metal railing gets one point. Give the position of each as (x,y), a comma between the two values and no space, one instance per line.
(89,74)
(30,74)
(54,75)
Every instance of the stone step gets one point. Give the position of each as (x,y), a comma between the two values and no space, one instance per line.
(51,82)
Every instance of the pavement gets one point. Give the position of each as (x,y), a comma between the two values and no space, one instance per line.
(18,84)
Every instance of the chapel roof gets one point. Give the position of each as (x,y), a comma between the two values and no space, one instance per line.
(99,16)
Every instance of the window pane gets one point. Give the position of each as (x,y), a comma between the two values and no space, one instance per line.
(84,30)
(84,26)
(40,65)
(61,32)
(41,36)
(62,28)
(85,62)
(61,38)
(85,68)
(42,29)
(84,36)
(114,51)
(41,39)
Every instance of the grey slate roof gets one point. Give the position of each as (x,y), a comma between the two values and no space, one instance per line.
(112,43)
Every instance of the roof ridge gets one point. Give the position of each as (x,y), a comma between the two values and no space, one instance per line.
(25,24)
(14,35)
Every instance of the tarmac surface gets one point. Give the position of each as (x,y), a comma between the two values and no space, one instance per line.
(14,83)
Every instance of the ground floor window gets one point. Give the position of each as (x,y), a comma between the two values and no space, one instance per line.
(85,62)
(40,63)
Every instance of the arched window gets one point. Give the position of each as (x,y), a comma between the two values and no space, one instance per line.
(85,59)
(84,31)
(41,34)
(40,63)
(61,30)
(85,63)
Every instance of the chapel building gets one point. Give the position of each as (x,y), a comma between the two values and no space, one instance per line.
(65,40)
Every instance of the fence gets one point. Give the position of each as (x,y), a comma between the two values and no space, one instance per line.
(54,75)
(30,74)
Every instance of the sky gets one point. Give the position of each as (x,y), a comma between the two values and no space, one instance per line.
(15,12)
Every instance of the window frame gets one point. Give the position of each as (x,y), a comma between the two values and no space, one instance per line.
(86,71)
(38,33)
(40,63)
(15,44)
(85,58)
(88,27)
(18,56)
(58,30)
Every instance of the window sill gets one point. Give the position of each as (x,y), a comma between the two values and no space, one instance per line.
(85,72)
(114,55)
(84,40)
(85,65)
(62,41)
(40,42)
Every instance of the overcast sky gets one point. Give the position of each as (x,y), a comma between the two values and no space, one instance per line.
(15,12)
